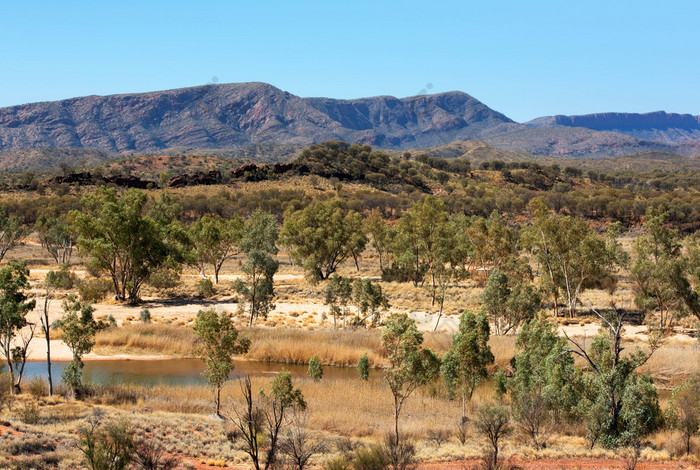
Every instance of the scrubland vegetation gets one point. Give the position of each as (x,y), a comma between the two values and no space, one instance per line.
(502,315)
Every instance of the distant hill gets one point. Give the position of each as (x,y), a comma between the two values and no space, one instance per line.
(261,123)
(578,142)
(657,126)
(478,151)
(242,114)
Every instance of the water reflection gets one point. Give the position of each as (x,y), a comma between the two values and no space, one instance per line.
(176,371)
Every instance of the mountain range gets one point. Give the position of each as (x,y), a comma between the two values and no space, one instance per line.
(239,115)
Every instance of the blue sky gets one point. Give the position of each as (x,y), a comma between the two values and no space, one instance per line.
(525,59)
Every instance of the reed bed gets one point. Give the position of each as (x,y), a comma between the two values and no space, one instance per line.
(147,338)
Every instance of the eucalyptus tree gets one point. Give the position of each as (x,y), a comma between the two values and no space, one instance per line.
(509,301)
(369,300)
(662,270)
(78,333)
(465,365)
(410,365)
(259,243)
(218,342)
(14,307)
(323,235)
(620,405)
(119,239)
(337,295)
(215,240)
(572,254)
(12,232)
(56,235)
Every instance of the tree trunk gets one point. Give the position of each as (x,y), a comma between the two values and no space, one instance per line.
(48,360)
(397,410)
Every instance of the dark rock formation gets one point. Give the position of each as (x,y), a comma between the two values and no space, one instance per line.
(85,178)
(195,179)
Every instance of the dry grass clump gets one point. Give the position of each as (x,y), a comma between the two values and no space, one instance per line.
(294,346)
(148,337)
(674,362)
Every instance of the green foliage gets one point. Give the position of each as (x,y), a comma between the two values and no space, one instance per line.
(541,386)
(120,240)
(61,279)
(214,240)
(620,406)
(410,365)
(493,422)
(78,326)
(416,245)
(363,367)
(218,343)
(14,307)
(379,235)
(509,302)
(56,235)
(489,242)
(465,364)
(337,296)
(284,393)
(107,447)
(664,275)
(683,412)
(572,255)
(204,288)
(94,290)
(11,232)
(373,457)
(315,368)
(323,235)
(145,315)
(369,301)
(259,244)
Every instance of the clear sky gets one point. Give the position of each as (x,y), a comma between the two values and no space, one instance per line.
(523,58)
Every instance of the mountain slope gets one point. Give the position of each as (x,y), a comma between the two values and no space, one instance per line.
(235,115)
(657,126)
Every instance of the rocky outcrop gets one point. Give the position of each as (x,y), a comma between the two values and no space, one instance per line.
(195,179)
(85,178)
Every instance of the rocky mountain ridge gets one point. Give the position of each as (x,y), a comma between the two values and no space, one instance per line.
(261,117)
(657,126)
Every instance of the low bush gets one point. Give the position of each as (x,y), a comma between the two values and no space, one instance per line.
(204,288)
(337,463)
(29,413)
(373,457)
(38,387)
(94,290)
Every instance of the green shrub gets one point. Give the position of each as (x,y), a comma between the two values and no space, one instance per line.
(145,315)
(315,368)
(94,290)
(204,288)
(337,463)
(29,414)
(63,278)
(106,447)
(373,457)
(5,385)
(165,277)
(363,367)
(38,387)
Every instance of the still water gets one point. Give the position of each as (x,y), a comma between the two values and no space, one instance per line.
(176,371)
